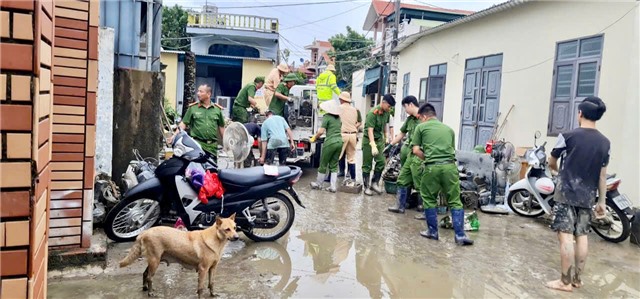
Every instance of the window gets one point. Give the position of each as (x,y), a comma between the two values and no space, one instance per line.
(575,77)
(434,87)
(405,92)
(422,97)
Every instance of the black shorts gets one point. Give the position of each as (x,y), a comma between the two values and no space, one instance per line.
(571,220)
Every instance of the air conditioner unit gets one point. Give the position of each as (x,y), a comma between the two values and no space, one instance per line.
(225,102)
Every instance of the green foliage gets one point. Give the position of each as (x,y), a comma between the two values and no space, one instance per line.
(352,53)
(170,111)
(302,78)
(174,28)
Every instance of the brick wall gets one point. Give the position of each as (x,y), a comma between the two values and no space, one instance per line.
(48,78)
(75,75)
(25,126)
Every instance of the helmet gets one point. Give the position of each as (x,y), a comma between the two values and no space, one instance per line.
(545,186)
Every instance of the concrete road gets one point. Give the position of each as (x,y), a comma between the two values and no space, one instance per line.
(349,246)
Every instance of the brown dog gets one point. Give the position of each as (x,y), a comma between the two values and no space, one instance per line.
(199,249)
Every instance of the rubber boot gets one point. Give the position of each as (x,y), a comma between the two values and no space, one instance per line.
(352,171)
(457,217)
(319,181)
(432,224)
(341,166)
(333,188)
(402,201)
(365,179)
(375,183)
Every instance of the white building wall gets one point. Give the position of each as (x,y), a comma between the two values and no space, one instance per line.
(527,37)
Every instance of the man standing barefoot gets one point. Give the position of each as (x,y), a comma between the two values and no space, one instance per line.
(582,178)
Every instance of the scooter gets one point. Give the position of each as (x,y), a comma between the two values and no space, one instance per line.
(262,202)
(533,196)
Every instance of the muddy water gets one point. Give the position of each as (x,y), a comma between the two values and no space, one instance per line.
(348,246)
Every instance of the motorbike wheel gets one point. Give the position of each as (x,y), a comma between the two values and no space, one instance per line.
(518,200)
(127,219)
(285,217)
(621,225)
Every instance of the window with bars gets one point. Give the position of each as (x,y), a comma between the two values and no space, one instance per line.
(575,76)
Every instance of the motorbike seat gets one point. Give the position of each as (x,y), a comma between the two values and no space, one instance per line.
(250,176)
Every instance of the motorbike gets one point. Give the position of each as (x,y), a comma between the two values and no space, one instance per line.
(533,196)
(262,203)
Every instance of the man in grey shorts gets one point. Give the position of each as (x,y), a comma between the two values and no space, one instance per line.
(582,179)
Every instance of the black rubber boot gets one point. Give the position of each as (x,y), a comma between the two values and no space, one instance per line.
(457,217)
(365,181)
(402,201)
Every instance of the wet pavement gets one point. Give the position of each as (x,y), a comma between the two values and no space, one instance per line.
(349,246)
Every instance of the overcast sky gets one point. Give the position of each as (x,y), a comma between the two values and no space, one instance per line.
(338,16)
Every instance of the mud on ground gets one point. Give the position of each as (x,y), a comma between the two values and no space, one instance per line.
(350,247)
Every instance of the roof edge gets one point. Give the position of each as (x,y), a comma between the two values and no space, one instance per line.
(411,39)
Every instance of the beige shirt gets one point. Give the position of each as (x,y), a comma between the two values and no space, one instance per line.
(349,118)
(272,80)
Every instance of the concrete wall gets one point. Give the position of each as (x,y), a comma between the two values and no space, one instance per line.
(527,37)
(171,75)
(104,122)
(253,68)
(136,116)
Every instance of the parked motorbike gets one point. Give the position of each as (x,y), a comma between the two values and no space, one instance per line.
(533,196)
(263,206)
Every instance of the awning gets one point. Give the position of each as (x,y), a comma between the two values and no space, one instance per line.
(371,77)
(219,61)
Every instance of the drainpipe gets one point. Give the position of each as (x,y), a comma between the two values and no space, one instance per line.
(149,33)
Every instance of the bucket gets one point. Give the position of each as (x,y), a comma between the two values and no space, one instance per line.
(390,187)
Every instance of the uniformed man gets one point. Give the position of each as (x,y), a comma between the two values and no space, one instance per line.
(434,144)
(332,146)
(409,176)
(281,96)
(373,143)
(205,121)
(326,86)
(273,80)
(245,100)
(351,121)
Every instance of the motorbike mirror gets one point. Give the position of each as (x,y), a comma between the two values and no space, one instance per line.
(178,120)
(538,134)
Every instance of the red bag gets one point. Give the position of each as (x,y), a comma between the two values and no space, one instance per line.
(212,187)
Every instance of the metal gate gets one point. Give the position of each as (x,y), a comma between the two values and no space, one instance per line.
(480,100)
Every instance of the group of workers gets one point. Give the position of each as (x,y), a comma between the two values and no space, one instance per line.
(427,154)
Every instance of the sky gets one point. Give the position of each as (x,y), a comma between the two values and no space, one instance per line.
(295,31)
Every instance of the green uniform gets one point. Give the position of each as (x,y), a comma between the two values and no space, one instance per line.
(203,125)
(409,175)
(277,105)
(239,112)
(440,173)
(376,119)
(332,146)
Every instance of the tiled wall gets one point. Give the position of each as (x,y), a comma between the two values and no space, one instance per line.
(47,134)
(25,126)
(75,74)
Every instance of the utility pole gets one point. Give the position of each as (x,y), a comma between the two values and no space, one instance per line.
(394,42)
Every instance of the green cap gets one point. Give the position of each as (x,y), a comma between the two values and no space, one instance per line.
(259,79)
(291,77)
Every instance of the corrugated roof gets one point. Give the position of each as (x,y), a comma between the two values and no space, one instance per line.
(171,51)
(383,8)
(409,40)
(235,57)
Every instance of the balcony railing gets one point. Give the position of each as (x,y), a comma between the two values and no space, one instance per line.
(232,21)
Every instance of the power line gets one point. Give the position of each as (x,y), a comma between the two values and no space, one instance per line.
(325,18)
(289,5)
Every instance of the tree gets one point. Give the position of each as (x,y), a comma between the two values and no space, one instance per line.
(352,52)
(302,78)
(174,28)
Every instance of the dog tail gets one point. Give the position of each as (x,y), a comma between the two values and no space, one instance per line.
(134,253)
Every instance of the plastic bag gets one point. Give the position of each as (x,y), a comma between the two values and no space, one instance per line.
(471,222)
(195,174)
(212,187)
